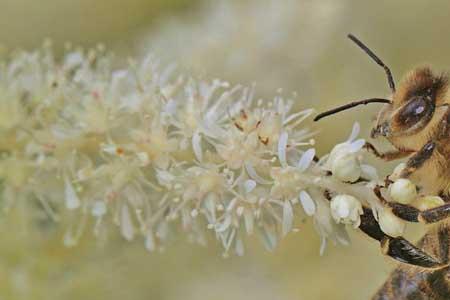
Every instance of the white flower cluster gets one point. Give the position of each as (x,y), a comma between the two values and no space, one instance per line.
(156,154)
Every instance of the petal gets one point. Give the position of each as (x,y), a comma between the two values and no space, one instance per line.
(72,200)
(269,238)
(307,203)
(252,174)
(171,107)
(249,185)
(98,208)
(239,247)
(288,217)
(126,226)
(357,145)
(306,159)
(197,146)
(342,235)
(150,241)
(282,144)
(323,245)
(355,132)
(221,227)
(303,114)
(369,172)
(248,221)
(232,204)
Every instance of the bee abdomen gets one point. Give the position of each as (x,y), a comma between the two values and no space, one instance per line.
(401,285)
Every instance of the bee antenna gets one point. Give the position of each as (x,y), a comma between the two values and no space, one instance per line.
(350,105)
(376,59)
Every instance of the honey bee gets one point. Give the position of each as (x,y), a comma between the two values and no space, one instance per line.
(416,121)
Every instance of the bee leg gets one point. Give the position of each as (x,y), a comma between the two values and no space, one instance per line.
(387,156)
(397,247)
(370,226)
(418,159)
(412,214)
(403,251)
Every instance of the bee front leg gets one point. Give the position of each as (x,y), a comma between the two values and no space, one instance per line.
(411,214)
(387,156)
(418,159)
(397,247)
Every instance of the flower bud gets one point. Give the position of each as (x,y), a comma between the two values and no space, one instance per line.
(397,171)
(390,224)
(338,150)
(427,202)
(403,191)
(346,209)
(346,167)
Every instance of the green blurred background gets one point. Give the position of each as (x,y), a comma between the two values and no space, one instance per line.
(293,45)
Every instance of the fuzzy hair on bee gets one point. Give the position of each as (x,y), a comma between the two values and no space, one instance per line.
(418,116)
(416,122)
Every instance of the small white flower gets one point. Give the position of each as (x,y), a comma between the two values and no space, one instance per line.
(403,191)
(346,209)
(270,127)
(286,182)
(344,160)
(391,224)
(346,167)
(237,150)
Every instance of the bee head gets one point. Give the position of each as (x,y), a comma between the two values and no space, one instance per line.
(413,104)
(415,109)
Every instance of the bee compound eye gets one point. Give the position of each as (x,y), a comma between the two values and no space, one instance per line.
(413,111)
